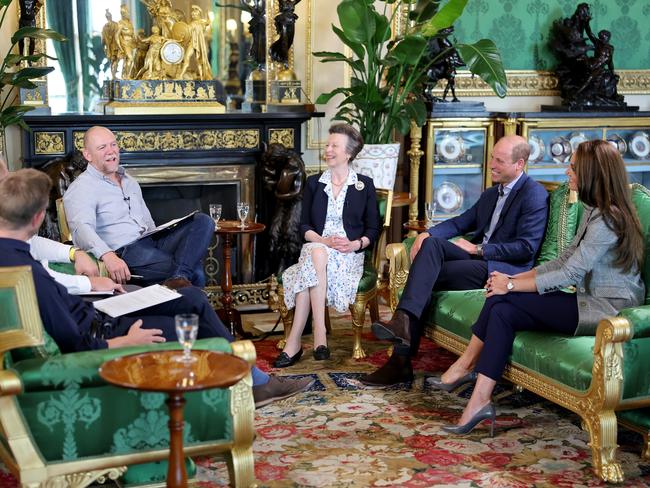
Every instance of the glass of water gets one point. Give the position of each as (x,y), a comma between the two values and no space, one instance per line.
(187,326)
(215,213)
(242,211)
(430,213)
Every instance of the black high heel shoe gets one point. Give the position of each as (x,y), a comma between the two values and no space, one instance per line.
(463,380)
(487,412)
(321,353)
(284,360)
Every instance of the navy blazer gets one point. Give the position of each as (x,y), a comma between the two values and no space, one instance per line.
(519,232)
(360,212)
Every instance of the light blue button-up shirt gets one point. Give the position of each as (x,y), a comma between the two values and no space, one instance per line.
(504,191)
(104,216)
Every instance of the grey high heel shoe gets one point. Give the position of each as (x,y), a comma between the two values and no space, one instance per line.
(487,412)
(464,380)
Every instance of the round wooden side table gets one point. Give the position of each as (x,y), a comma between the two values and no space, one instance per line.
(228,229)
(159,371)
(417,225)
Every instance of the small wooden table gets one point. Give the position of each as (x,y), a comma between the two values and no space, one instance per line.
(228,314)
(158,371)
(418,225)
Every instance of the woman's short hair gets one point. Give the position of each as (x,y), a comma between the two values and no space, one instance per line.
(355,141)
(23,194)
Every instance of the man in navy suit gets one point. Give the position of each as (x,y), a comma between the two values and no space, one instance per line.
(505,229)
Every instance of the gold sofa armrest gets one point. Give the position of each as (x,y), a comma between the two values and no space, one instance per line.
(399,264)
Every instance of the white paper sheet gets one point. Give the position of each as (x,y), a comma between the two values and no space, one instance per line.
(127,303)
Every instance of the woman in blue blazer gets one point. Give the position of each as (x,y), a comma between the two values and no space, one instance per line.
(603,264)
(339,220)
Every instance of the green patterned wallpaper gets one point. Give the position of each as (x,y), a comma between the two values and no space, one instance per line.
(520,29)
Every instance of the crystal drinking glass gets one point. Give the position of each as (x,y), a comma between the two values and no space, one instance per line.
(242,211)
(215,213)
(187,326)
(429,213)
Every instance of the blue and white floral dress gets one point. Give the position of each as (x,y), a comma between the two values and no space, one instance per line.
(344,270)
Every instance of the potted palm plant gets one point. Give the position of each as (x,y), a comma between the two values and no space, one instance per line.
(18,70)
(388,71)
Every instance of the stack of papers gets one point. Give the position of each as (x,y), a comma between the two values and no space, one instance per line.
(127,303)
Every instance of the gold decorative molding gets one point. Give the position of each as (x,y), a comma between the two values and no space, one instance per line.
(49,143)
(415,154)
(243,295)
(181,140)
(523,83)
(80,480)
(282,136)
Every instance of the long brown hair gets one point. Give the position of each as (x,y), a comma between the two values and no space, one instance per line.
(603,184)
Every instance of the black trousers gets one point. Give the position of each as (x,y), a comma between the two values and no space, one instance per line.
(439,265)
(503,315)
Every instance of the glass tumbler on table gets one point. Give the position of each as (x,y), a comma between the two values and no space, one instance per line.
(430,213)
(187,327)
(242,211)
(215,213)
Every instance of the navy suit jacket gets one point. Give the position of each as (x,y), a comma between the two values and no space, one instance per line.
(519,232)
(360,213)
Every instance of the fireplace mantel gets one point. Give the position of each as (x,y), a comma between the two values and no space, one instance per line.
(154,140)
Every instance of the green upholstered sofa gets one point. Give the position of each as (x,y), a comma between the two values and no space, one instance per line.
(62,425)
(599,378)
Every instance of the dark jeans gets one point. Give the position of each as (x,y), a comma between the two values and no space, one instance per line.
(162,317)
(177,252)
(439,265)
(503,315)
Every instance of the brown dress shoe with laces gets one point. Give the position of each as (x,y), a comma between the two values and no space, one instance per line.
(397,329)
(176,283)
(398,369)
(279,388)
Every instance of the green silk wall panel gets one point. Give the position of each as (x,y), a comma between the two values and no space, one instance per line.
(520,28)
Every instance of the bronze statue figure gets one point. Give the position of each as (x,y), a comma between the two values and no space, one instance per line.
(257,28)
(197,46)
(586,82)
(283,174)
(111,50)
(28,12)
(126,42)
(444,68)
(285,26)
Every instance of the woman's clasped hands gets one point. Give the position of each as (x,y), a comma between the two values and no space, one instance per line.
(497,284)
(342,243)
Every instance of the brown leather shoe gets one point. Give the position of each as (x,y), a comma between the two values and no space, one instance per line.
(279,388)
(398,369)
(397,329)
(176,283)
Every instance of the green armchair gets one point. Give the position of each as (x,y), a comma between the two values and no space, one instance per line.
(62,425)
(600,378)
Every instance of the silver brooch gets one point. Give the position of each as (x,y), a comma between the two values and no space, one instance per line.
(359,185)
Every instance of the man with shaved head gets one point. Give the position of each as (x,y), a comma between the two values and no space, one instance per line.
(107,216)
(505,228)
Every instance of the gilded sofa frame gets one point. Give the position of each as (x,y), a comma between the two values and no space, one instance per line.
(22,456)
(596,406)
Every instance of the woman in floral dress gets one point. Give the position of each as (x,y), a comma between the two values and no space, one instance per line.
(339,220)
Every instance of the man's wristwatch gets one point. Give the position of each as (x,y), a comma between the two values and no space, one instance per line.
(510,286)
(71,253)
(479,250)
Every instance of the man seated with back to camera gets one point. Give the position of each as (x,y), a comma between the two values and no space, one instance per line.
(506,224)
(107,216)
(72,323)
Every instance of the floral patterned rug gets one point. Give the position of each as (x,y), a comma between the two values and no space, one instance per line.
(341,434)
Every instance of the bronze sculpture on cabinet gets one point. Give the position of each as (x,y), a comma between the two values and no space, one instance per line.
(586,81)
(284,175)
(445,67)
(111,50)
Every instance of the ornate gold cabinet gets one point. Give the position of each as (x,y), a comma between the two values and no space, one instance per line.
(456,171)
(554,136)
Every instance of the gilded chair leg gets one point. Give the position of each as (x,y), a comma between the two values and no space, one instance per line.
(287,319)
(602,429)
(241,467)
(358,310)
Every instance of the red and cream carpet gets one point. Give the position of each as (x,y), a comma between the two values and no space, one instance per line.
(339,434)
